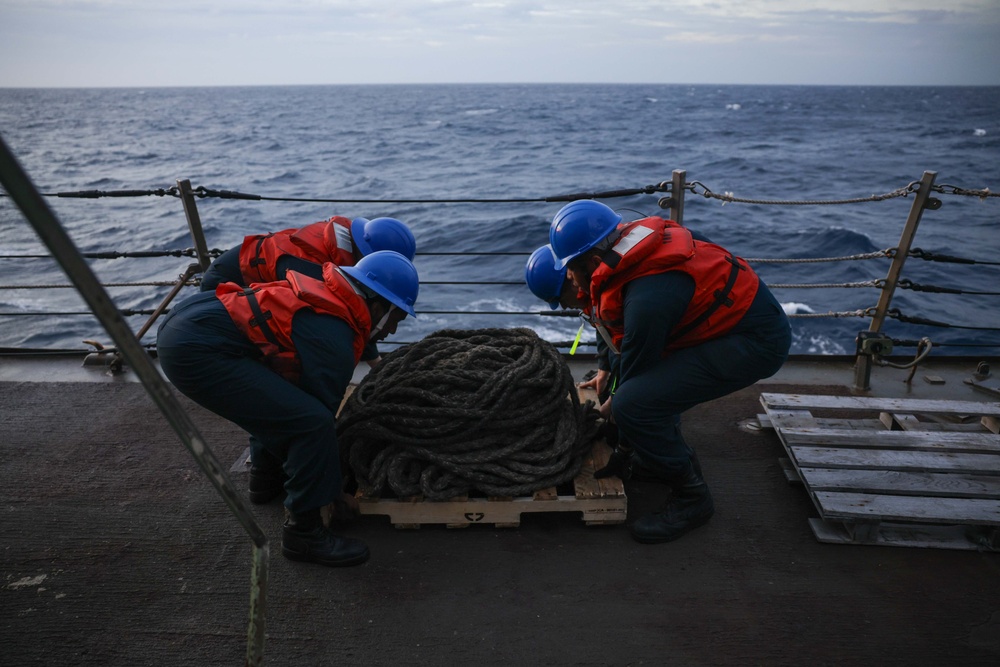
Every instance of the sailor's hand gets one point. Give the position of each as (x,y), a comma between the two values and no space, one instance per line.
(616,463)
(597,383)
(605,411)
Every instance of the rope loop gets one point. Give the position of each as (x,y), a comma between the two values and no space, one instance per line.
(488,410)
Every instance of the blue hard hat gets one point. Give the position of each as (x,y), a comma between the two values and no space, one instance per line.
(578,227)
(544,279)
(390,275)
(383,234)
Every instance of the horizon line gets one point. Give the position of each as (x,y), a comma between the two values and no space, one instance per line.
(500,83)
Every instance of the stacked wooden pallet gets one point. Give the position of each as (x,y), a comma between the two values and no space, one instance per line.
(906,473)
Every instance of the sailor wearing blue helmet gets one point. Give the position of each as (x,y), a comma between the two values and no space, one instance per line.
(262,258)
(689,321)
(276,359)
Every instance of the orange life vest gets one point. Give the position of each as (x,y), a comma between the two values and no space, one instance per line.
(725,286)
(264,312)
(320,242)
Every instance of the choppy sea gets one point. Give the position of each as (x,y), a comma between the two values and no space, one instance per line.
(383,144)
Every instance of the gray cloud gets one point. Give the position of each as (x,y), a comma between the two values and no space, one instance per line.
(116,42)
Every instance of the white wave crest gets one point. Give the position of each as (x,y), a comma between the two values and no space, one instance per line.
(795,308)
(816,344)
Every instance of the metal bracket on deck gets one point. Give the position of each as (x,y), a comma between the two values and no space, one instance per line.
(873,343)
(869,345)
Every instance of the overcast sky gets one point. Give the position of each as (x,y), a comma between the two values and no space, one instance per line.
(262,42)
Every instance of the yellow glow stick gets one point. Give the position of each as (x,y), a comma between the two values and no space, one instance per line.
(579,334)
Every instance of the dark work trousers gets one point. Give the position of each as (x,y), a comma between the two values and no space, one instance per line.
(648,406)
(224,269)
(211,362)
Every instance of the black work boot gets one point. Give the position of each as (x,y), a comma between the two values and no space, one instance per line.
(266,484)
(689,506)
(635,468)
(305,538)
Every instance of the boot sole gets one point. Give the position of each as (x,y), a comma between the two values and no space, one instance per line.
(310,558)
(652,539)
(646,477)
(263,497)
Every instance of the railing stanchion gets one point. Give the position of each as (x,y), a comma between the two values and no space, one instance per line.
(194,223)
(677,187)
(178,286)
(863,362)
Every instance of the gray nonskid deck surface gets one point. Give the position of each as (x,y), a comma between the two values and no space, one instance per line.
(114,550)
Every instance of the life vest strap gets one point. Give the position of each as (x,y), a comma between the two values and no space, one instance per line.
(257,259)
(260,317)
(608,339)
(721,299)
(611,257)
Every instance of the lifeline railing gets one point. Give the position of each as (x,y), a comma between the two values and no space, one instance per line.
(872,345)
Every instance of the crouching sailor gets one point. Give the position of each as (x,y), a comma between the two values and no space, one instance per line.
(276,359)
(263,258)
(690,321)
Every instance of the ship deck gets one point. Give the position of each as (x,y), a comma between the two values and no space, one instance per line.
(115,550)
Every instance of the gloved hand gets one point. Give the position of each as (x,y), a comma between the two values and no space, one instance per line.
(616,463)
(609,431)
(619,453)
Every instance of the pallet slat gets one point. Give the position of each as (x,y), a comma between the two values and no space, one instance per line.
(871,507)
(867,459)
(910,439)
(905,405)
(911,535)
(899,422)
(502,514)
(901,483)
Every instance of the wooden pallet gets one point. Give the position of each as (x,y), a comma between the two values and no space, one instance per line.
(910,473)
(600,501)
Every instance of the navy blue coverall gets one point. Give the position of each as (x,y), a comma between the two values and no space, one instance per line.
(213,363)
(654,389)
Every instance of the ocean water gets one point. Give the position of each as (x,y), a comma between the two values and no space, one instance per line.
(382,144)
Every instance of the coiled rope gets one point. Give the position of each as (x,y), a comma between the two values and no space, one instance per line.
(488,410)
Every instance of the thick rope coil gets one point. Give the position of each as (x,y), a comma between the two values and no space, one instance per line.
(491,410)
